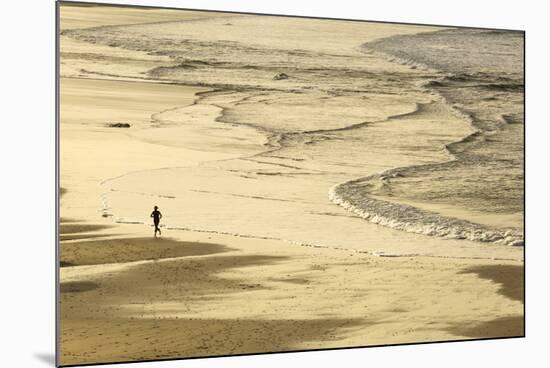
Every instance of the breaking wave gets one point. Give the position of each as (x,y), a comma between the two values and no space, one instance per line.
(412,219)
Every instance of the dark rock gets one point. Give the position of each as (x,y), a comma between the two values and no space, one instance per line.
(118,125)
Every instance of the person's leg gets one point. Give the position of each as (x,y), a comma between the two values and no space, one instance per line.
(157,228)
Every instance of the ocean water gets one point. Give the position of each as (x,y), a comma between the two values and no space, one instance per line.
(484,82)
(361,126)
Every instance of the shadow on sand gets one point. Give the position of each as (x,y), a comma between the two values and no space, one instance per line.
(77,286)
(72,228)
(509,277)
(498,327)
(140,314)
(511,281)
(65,237)
(147,339)
(122,250)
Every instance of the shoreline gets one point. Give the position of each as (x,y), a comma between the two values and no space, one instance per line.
(198,95)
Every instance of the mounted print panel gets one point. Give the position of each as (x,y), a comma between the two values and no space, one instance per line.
(239,184)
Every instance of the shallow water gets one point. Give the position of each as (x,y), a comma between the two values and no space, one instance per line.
(484,82)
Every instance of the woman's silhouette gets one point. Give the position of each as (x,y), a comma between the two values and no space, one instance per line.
(156,215)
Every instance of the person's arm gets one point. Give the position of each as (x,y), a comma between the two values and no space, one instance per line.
(151,214)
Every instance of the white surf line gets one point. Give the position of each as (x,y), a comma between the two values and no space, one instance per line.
(380,212)
(368,252)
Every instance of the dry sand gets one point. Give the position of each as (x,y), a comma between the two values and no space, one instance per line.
(128,296)
(98,16)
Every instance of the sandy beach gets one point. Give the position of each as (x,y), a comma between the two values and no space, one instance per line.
(254,255)
(204,294)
